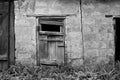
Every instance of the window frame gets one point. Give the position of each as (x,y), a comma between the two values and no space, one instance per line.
(52,21)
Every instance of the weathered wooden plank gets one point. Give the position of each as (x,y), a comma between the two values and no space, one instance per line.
(12,35)
(52,51)
(37,43)
(50,16)
(60,52)
(4,20)
(43,50)
(51,33)
(51,22)
(4,35)
(3,65)
(0,66)
(52,40)
(4,6)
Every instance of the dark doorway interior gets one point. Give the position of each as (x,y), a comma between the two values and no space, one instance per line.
(117,38)
(48,27)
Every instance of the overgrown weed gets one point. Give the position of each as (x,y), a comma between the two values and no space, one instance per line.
(101,71)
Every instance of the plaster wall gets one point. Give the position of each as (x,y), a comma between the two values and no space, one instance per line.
(98,32)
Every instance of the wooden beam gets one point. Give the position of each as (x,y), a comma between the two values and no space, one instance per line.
(111,16)
(52,40)
(37,44)
(50,33)
(51,22)
(52,15)
(12,35)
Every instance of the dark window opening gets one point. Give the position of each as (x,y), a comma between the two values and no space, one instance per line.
(52,28)
(117,38)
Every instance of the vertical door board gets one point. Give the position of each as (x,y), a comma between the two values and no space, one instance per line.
(52,51)
(11,34)
(60,52)
(4,35)
(43,49)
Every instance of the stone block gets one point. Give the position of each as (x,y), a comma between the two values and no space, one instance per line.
(103,36)
(90,37)
(73,24)
(77,62)
(102,28)
(88,20)
(76,52)
(102,44)
(111,44)
(91,53)
(110,29)
(90,28)
(86,29)
(110,52)
(102,59)
(96,13)
(110,36)
(102,52)
(91,44)
(106,52)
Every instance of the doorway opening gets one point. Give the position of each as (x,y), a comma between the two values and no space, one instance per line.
(117,38)
(51,40)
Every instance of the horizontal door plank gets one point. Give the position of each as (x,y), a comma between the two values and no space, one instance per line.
(51,33)
(54,40)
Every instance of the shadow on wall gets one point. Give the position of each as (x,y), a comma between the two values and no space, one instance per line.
(107,0)
(99,1)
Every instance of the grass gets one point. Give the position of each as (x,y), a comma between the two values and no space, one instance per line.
(100,71)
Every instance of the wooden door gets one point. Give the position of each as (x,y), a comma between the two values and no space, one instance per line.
(6,34)
(51,49)
(51,43)
(4,15)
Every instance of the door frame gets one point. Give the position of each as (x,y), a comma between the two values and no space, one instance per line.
(37,34)
(11,33)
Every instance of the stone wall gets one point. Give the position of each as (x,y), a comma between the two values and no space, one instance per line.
(98,33)
(25,27)
(99,30)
